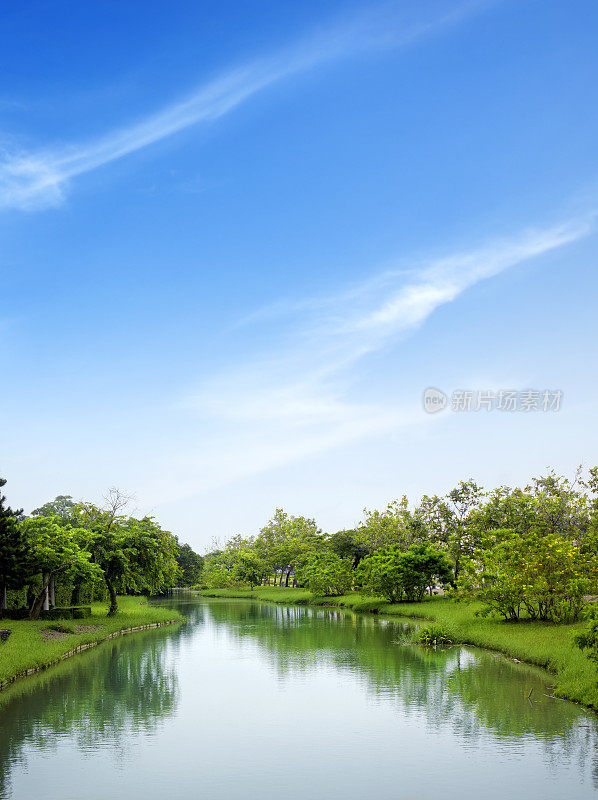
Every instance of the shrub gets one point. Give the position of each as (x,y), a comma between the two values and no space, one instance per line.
(70,612)
(15,613)
(433,636)
(541,576)
(588,639)
(403,574)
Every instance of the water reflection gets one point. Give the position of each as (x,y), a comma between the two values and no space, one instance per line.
(101,695)
(247,697)
(470,691)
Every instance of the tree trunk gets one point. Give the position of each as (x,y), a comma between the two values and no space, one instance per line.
(40,602)
(45,599)
(288,577)
(52,593)
(113,601)
(76,594)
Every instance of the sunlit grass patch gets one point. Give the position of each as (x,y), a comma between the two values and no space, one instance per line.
(27,647)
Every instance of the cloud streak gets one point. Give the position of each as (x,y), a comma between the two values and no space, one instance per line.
(299,400)
(30,181)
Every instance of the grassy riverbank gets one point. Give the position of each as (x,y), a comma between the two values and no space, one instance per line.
(35,645)
(543,644)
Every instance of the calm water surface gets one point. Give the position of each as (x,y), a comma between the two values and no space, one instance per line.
(249,700)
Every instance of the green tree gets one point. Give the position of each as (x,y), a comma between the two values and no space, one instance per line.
(14,557)
(220,577)
(249,568)
(106,541)
(326,573)
(133,555)
(395,525)
(152,564)
(505,509)
(55,550)
(561,505)
(190,564)
(285,541)
(452,522)
(348,544)
(540,575)
(62,507)
(398,574)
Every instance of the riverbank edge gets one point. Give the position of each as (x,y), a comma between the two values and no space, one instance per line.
(102,636)
(537,644)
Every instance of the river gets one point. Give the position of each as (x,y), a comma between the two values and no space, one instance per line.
(248,700)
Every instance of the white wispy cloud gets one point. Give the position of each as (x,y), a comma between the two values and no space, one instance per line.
(298,400)
(32,180)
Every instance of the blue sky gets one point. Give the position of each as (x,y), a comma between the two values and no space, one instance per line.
(238,241)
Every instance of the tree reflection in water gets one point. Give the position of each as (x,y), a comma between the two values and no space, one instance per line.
(118,696)
(472,691)
(103,694)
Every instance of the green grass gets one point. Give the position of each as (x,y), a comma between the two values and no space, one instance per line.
(274,594)
(543,644)
(27,649)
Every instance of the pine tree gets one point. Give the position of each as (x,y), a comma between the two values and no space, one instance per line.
(13,549)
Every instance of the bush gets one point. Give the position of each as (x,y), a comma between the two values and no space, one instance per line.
(433,636)
(15,613)
(588,639)
(541,576)
(70,612)
(403,574)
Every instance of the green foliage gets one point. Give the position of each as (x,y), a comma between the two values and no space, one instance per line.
(61,507)
(538,575)
(396,525)
(396,574)
(78,545)
(56,550)
(348,544)
(220,578)
(285,541)
(452,522)
(14,556)
(190,565)
(325,573)
(433,636)
(132,554)
(249,568)
(74,612)
(587,639)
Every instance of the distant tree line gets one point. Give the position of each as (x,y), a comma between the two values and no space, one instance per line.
(524,552)
(77,552)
